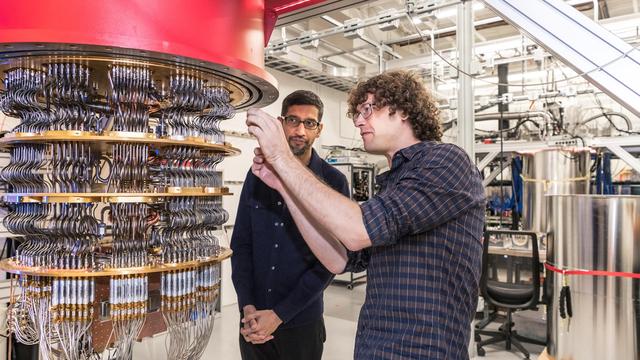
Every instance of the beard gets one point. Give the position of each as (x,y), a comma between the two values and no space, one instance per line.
(297,149)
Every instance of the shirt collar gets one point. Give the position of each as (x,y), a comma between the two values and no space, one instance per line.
(408,153)
(315,164)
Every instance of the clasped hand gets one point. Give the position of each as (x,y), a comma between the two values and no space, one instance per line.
(259,325)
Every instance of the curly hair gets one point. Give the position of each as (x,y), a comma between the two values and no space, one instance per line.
(404,91)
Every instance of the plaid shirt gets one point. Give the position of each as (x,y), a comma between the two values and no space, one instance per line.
(423,268)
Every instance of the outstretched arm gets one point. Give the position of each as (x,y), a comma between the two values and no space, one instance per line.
(332,214)
(331,253)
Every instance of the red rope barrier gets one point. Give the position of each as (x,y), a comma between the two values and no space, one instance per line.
(592,272)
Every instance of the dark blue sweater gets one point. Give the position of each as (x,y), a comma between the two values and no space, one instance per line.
(272,266)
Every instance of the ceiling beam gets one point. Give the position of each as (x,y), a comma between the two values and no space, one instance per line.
(317,10)
(422,8)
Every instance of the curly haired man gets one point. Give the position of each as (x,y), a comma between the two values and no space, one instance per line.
(419,238)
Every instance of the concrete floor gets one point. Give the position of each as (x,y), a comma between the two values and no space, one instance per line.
(342,307)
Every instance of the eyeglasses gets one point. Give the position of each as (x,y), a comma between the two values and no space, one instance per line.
(294,121)
(366,110)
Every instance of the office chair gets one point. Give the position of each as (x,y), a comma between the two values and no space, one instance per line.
(510,296)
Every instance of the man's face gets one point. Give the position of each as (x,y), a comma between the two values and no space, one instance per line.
(298,126)
(377,128)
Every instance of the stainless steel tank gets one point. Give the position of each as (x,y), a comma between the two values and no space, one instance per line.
(595,233)
(548,172)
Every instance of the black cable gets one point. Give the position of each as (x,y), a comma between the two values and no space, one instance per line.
(449,124)
(607,116)
(496,132)
(492,134)
(595,163)
(501,169)
(514,128)
(4,248)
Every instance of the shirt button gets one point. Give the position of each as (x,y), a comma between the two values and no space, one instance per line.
(273,268)
(281,224)
(276,224)
(279,202)
(275,246)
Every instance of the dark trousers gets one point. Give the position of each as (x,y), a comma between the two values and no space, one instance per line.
(299,343)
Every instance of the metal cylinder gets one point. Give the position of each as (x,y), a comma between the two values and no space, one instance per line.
(595,233)
(552,171)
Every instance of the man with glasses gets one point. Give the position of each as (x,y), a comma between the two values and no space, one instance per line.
(274,272)
(419,238)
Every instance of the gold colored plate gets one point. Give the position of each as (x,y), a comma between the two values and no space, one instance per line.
(66,133)
(118,137)
(129,135)
(22,134)
(64,199)
(131,199)
(113,197)
(197,190)
(9,265)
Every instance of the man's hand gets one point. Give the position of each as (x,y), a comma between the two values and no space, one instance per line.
(246,327)
(268,130)
(263,324)
(264,171)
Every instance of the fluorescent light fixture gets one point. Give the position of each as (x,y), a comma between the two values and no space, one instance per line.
(527,76)
(513,79)
(578,2)
(447,85)
(452,11)
(416,20)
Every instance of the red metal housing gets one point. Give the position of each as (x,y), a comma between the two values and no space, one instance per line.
(221,36)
